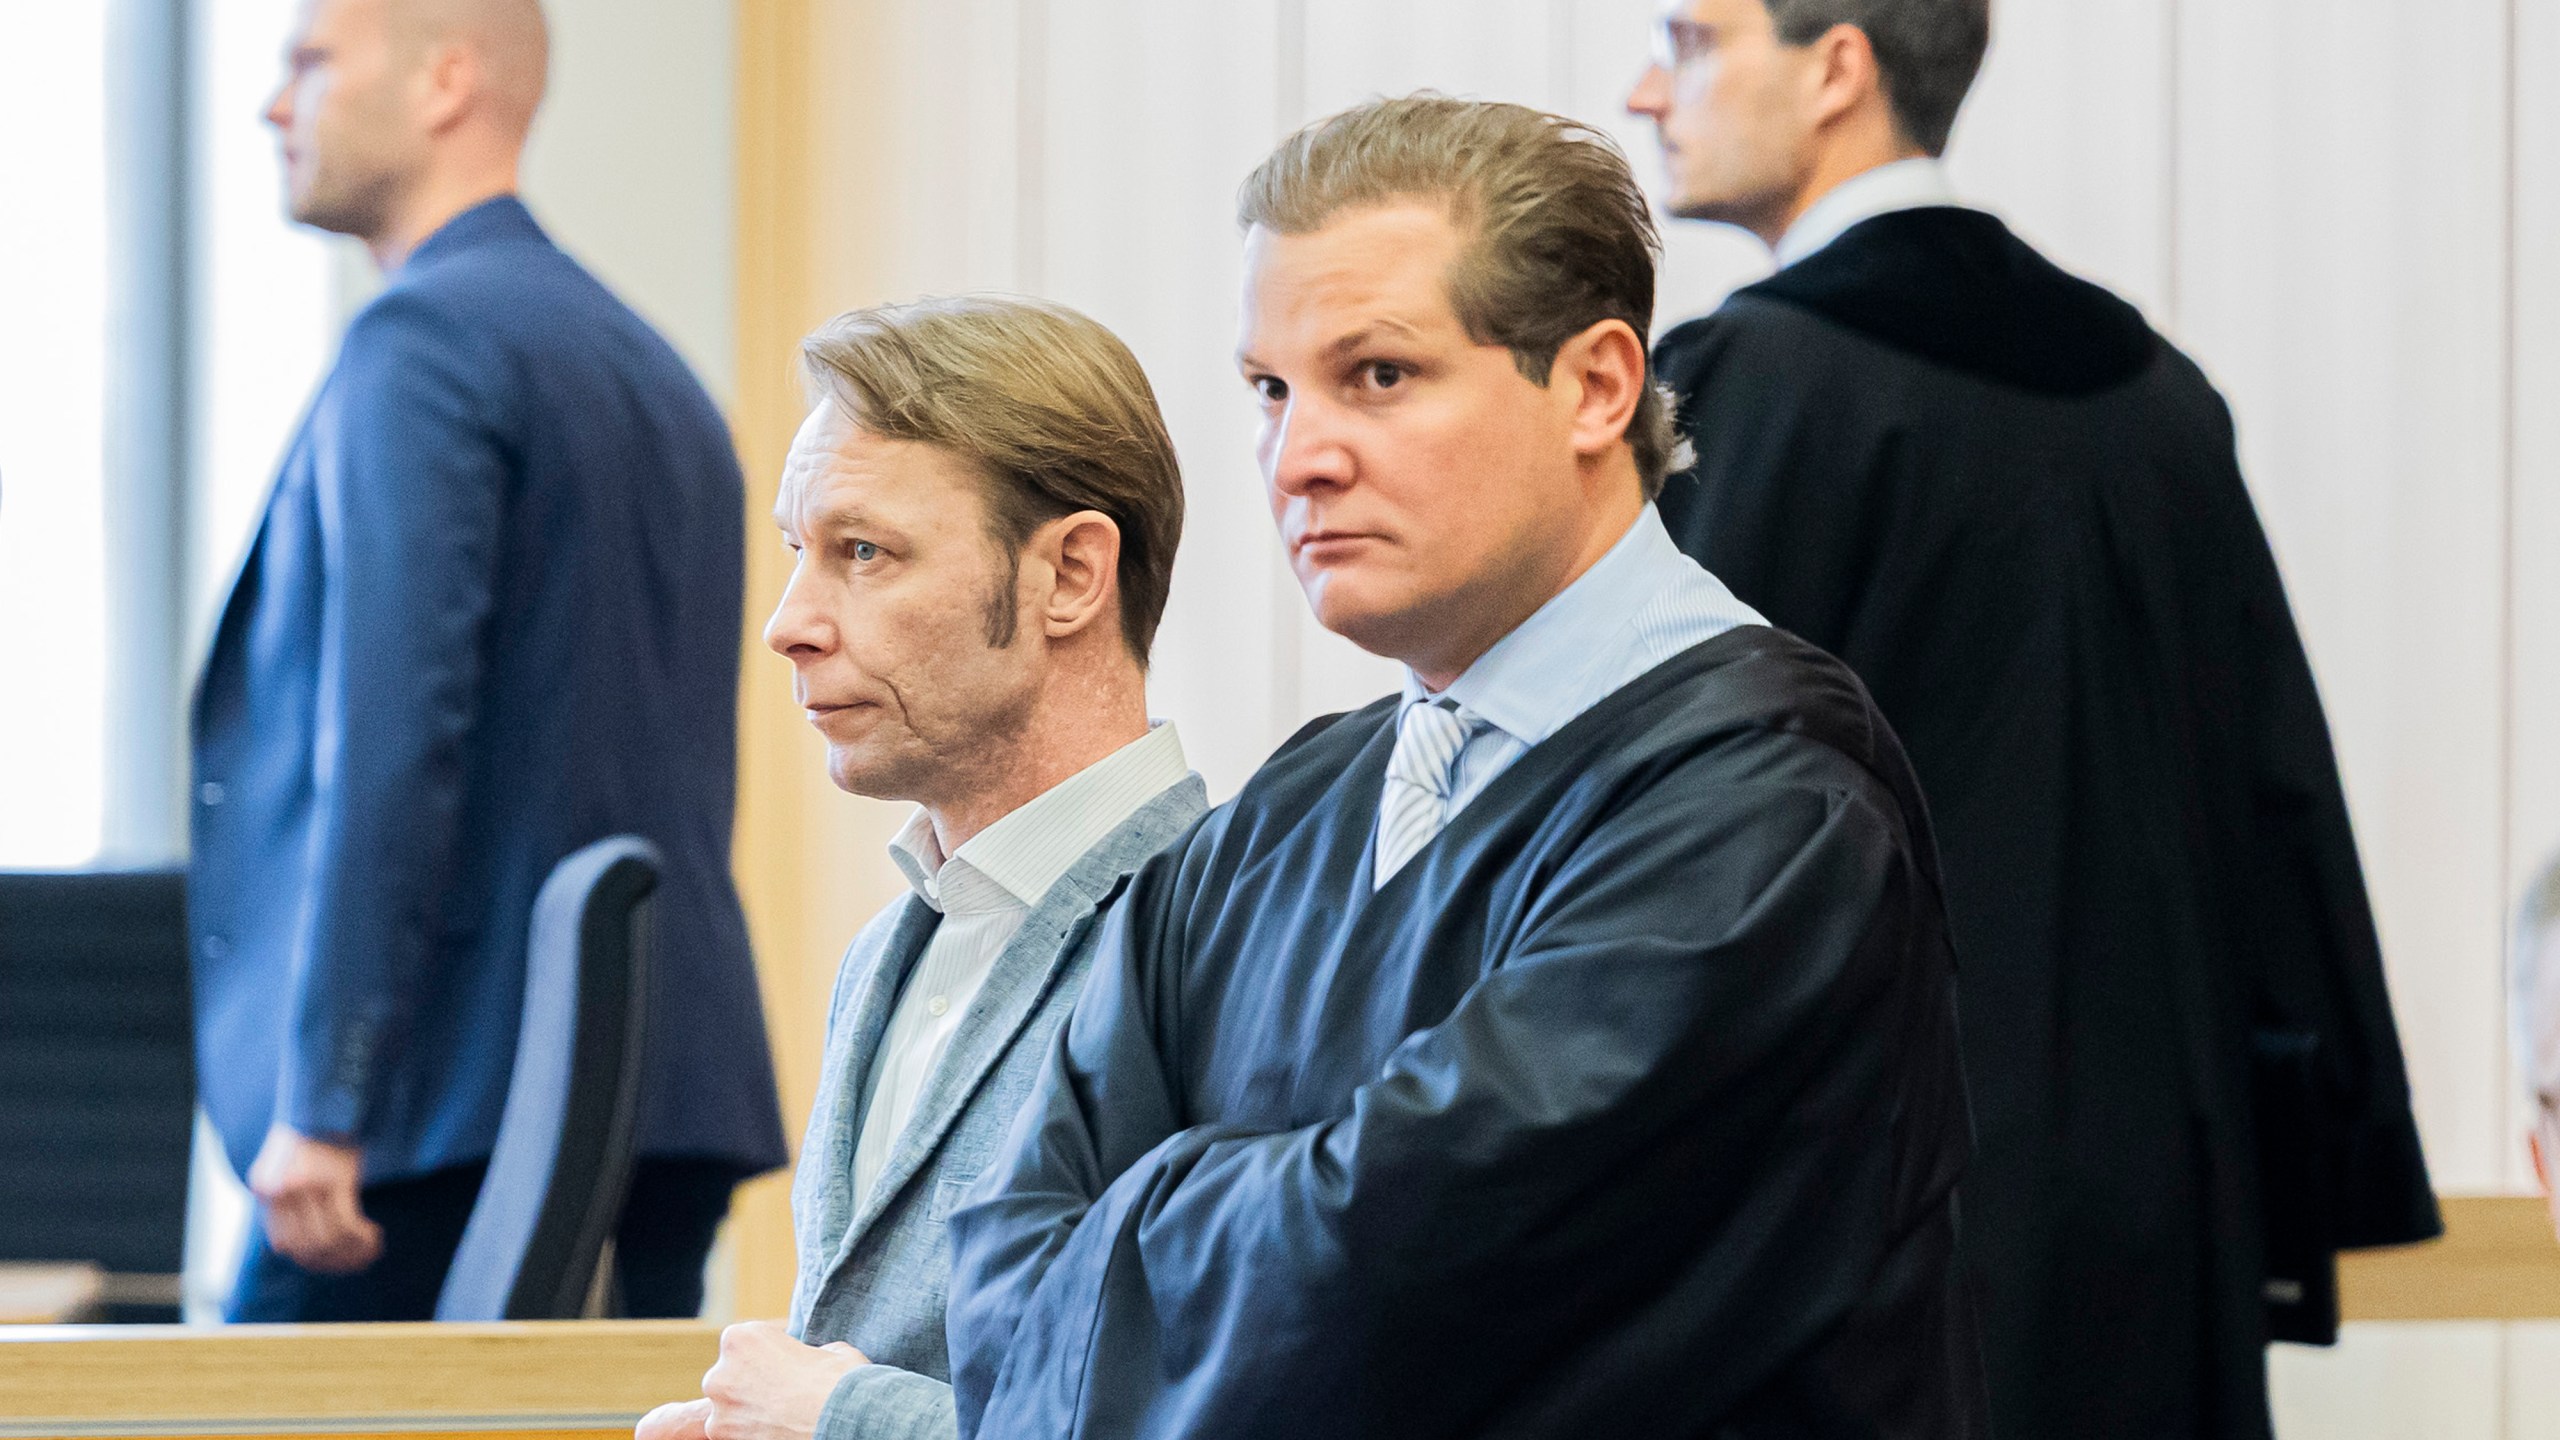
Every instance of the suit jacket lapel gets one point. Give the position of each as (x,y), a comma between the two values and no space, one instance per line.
(1016,985)
(865,1021)
(229,614)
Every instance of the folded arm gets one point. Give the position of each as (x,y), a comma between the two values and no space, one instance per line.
(1676,1093)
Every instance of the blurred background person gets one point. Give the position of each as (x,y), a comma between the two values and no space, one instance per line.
(2017,512)
(2535,1008)
(490,614)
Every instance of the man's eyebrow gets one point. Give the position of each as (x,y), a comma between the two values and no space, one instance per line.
(1350,343)
(1368,334)
(843,514)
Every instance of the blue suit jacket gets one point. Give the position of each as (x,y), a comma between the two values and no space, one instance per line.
(491,614)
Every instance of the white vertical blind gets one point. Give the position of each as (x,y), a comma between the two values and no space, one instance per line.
(1128,246)
(2341,222)
(2068,136)
(2533,404)
(53,375)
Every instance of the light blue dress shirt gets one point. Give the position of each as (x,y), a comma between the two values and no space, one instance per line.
(1639,605)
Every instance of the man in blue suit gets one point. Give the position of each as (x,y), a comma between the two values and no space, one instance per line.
(491,614)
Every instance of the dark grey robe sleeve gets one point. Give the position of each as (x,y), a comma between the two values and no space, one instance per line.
(1673,1097)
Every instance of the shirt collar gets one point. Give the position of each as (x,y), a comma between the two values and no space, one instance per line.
(1012,863)
(1912,184)
(1536,678)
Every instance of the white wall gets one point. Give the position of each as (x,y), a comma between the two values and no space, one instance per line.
(631,164)
(2349,214)
(55,279)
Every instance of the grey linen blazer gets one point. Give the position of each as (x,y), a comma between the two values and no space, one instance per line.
(874,1269)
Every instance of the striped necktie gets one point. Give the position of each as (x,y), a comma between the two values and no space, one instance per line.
(1415,806)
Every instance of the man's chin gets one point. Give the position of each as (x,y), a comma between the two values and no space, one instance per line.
(1712,209)
(331,208)
(1366,620)
(1758,214)
(862,770)
(852,775)
(319,215)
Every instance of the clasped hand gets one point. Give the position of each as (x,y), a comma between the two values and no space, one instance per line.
(766,1386)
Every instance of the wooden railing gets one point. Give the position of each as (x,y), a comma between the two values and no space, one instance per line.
(552,1380)
(2498,1261)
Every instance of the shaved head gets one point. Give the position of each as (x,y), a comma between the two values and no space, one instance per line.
(510,37)
(396,114)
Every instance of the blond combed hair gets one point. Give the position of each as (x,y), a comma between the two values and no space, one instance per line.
(1560,236)
(1048,404)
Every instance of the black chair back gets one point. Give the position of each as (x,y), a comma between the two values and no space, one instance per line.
(97,1068)
(558,1178)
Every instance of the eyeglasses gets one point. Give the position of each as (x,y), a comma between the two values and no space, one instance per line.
(1676,42)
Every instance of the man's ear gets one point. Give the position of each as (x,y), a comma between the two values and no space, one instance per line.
(451,78)
(1846,73)
(1603,368)
(1083,555)
(2541,1161)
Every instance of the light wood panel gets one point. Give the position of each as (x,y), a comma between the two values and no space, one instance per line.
(405,1432)
(2498,1260)
(168,1379)
(2340,259)
(773,136)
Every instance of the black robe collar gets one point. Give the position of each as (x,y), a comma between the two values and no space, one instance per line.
(1955,287)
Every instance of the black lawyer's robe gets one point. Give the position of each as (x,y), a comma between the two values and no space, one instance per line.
(2017,513)
(1630,1106)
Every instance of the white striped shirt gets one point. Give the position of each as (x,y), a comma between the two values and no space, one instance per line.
(1639,605)
(985,890)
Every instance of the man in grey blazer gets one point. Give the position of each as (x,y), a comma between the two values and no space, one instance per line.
(984,506)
